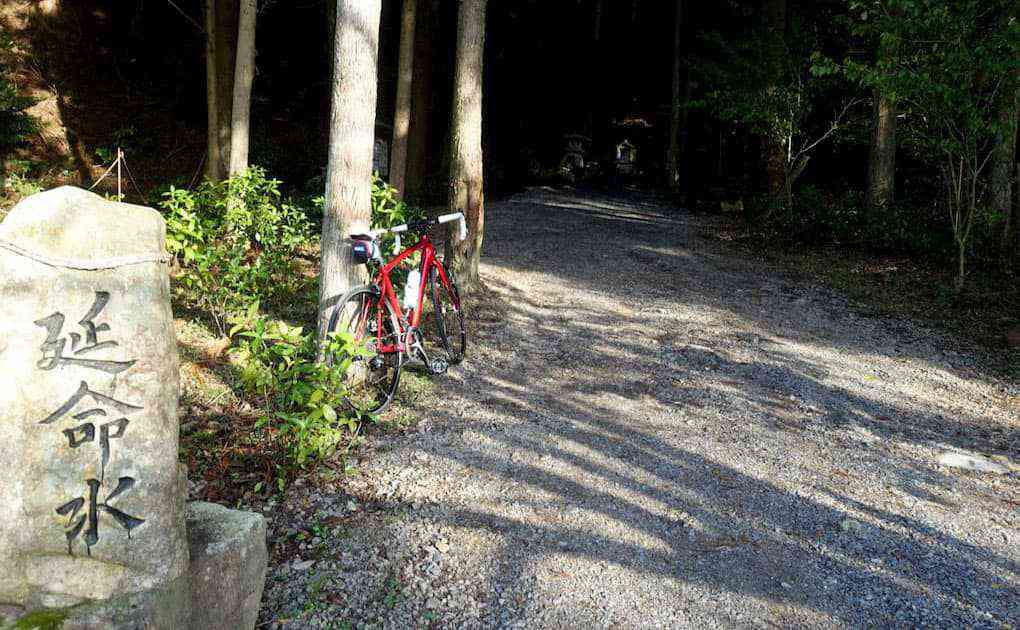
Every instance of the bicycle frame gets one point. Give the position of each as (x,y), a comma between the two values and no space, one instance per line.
(388,293)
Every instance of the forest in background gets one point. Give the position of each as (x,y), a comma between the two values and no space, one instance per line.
(871,143)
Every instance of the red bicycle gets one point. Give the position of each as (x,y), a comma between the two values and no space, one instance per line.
(394,331)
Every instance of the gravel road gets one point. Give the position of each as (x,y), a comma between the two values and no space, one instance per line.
(654,430)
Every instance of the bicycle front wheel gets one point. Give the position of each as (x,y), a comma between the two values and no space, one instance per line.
(373,377)
(445,334)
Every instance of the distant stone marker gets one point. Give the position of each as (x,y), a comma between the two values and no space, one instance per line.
(92,492)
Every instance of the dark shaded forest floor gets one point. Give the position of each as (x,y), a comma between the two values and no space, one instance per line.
(900,285)
(654,429)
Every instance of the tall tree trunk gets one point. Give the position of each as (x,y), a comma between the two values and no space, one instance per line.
(674,119)
(595,69)
(775,149)
(1012,232)
(466,176)
(402,118)
(421,101)
(221,24)
(882,157)
(244,73)
(212,146)
(351,138)
(1004,165)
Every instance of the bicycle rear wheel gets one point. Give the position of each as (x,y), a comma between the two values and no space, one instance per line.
(373,378)
(444,332)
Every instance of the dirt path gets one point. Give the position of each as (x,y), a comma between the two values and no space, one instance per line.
(653,431)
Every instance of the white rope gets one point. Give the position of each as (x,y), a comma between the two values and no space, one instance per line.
(85,265)
(100,180)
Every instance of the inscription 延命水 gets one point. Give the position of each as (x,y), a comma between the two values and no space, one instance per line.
(85,432)
(53,349)
(89,520)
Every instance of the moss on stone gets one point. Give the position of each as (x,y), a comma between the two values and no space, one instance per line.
(49,619)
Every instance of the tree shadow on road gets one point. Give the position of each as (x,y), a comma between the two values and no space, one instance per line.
(653,445)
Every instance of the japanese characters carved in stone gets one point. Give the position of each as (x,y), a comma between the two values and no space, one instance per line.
(91,502)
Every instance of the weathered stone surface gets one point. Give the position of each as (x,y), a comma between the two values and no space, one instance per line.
(8,614)
(228,566)
(89,431)
(968,461)
(164,608)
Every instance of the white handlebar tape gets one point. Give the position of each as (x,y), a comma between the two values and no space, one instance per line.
(396,244)
(454,216)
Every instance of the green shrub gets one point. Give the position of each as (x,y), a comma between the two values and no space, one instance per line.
(302,400)
(387,209)
(16,126)
(236,242)
(22,186)
(824,218)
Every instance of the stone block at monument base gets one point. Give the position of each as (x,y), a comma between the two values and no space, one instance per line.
(228,566)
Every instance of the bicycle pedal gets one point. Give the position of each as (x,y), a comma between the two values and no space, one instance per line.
(438,366)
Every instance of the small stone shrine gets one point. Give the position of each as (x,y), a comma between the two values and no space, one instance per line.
(93,534)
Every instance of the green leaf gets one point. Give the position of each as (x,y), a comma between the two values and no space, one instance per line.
(316,397)
(329,413)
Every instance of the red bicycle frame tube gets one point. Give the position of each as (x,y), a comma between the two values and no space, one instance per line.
(389,294)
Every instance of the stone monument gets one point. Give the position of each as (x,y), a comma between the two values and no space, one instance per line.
(93,524)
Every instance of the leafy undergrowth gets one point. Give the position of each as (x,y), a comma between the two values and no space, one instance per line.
(231,440)
(257,408)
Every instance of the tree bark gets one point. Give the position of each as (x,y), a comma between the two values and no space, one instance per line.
(1004,165)
(882,157)
(466,176)
(674,118)
(421,102)
(775,150)
(212,139)
(1012,232)
(221,24)
(402,117)
(348,206)
(244,73)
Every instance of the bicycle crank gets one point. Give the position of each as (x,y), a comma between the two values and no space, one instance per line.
(437,366)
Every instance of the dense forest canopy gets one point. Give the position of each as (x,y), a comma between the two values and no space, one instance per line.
(788,106)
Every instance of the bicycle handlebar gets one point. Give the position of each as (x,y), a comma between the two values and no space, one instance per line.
(396,230)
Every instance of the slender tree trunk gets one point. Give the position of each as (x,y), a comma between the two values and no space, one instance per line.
(882,158)
(674,119)
(1012,233)
(221,24)
(1004,166)
(595,68)
(402,118)
(244,73)
(775,149)
(466,177)
(212,166)
(421,102)
(352,135)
